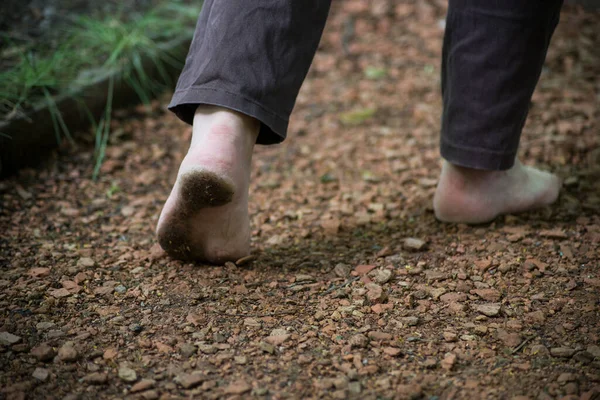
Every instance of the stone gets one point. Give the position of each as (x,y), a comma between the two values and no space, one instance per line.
(96,378)
(566,377)
(364,269)
(150,395)
(488,309)
(509,339)
(539,350)
(238,388)
(594,350)
(450,336)
(187,350)
(127,374)
(120,289)
(8,339)
(411,391)
(410,321)
(391,351)
(359,340)
(414,244)
(43,352)
(68,353)
(142,385)
(487,294)
(189,381)
(341,270)
(277,340)
(267,347)
(377,335)
(448,362)
(453,297)
(375,293)
(86,262)
(41,374)
(562,352)
(44,326)
(383,276)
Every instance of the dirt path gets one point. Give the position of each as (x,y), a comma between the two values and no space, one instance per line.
(336,303)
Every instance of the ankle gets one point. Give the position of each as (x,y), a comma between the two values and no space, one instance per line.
(218,124)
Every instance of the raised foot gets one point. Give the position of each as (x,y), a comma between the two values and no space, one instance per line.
(472,196)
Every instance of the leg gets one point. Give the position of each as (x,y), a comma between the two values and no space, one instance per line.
(492,59)
(245,67)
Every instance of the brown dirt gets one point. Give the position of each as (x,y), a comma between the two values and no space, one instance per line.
(334,303)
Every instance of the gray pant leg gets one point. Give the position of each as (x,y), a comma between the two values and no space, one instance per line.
(251,56)
(492,57)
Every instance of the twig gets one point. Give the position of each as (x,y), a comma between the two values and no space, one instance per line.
(335,287)
(527,340)
(273,314)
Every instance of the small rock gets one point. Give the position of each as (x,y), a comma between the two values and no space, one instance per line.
(487,294)
(43,352)
(267,347)
(364,269)
(239,387)
(583,357)
(594,350)
(8,339)
(376,335)
(448,361)
(489,309)
(358,340)
(277,340)
(142,385)
(120,289)
(110,354)
(149,395)
(41,374)
(86,262)
(509,339)
(453,297)
(304,278)
(341,270)
(252,322)
(391,351)
(410,321)
(96,378)
(539,350)
(354,387)
(410,391)
(127,374)
(383,276)
(67,352)
(563,352)
(39,272)
(189,381)
(414,244)
(450,336)
(135,328)
(566,377)
(375,293)
(240,360)
(45,325)
(207,348)
(187,350)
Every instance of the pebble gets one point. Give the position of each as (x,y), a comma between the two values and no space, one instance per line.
(135,328)
(43,352)
(189,381)
(67,352)
(354,387)
(391,351)
(410,321)
(383,276)
(448,361)
(54,333)
(411,391)
(375,293)
(566,377)
(45,325)
(187,350)
(358,340)
(414,244)
(364,269)
(564,352)
(377,335)
(341,270)
(239,387)
(86,262)
(96,378)
(142,385)
(267,347)
(539,350)
(41,374)
(450,336)
(594,350)
(489,309)
(127,374)
(120,289)
(7,338)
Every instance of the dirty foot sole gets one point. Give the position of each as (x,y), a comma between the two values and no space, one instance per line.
(180,234)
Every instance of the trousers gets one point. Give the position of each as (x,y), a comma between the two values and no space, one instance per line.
(252,57)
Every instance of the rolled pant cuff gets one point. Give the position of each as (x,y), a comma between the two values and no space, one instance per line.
(184,103)
(477,158)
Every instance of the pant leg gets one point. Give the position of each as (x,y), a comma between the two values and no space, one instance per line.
(492,57)
(251,56)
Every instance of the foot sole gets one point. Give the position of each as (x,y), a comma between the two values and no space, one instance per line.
(198,189)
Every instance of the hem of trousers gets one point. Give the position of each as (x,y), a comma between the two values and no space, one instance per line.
(185,101)
(477,158)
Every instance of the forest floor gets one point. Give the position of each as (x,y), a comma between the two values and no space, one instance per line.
(334,302)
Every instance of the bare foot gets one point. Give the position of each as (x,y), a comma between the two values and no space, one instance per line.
(205,217)
(475,196)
